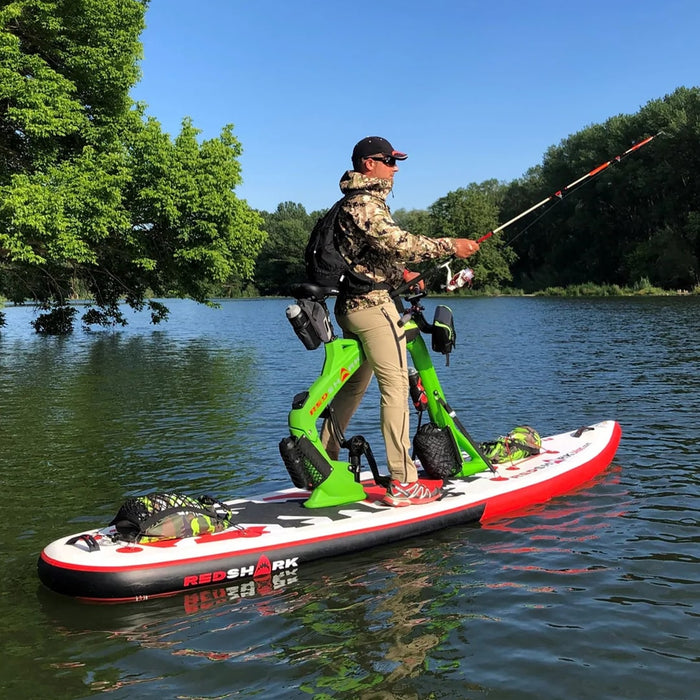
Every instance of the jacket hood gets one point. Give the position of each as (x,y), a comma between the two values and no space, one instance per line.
(353,181)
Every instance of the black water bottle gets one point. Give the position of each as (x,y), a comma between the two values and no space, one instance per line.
(302,326)
(415,388)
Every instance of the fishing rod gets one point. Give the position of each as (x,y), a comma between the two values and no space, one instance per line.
(560,194)
(465,276)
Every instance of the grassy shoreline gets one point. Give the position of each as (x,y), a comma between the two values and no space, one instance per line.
(588,289)
(575,290)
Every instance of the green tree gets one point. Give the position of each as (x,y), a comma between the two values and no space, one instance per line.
(94,198)
(416,221)
(529,269)
(472,212)
(281,262)
(635,220)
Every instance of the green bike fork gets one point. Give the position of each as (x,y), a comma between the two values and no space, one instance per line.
(438,408)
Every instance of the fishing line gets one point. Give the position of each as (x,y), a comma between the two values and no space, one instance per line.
(559,195)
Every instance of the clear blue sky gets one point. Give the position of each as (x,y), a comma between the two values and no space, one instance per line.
(471,90)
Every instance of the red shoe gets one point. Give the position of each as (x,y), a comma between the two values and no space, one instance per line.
(399,494)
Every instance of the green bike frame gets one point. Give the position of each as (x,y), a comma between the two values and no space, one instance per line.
(336,482)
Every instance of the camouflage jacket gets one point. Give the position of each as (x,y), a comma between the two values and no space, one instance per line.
(370,238)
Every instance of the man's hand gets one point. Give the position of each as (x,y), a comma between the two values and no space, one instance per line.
(464,247)
(408,275)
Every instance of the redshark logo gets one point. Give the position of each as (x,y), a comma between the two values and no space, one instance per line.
(344,374)
(263,568)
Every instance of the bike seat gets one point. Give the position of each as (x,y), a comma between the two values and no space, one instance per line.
(308,290)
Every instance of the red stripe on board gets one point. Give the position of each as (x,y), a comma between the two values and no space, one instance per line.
(254,550)
(494,507)
(556,486)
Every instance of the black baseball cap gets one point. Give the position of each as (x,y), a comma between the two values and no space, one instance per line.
(374,146)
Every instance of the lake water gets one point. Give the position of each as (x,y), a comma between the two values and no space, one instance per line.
(593,595)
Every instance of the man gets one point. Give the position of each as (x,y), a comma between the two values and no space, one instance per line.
(379,249)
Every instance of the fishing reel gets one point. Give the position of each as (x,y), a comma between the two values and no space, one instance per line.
(458,280)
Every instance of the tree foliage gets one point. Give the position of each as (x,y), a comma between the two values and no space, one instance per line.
(95,200)
(460,213)
(637,219)
(281,262)
(416,221)
(471,212)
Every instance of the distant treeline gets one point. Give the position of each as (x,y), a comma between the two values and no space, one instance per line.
(636,224)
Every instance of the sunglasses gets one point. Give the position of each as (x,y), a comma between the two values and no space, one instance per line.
(387,160)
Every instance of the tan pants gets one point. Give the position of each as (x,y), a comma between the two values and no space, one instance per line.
(384,345)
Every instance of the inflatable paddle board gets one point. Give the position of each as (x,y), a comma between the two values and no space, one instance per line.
(275,534)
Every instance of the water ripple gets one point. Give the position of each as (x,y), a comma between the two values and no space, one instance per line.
(594,594)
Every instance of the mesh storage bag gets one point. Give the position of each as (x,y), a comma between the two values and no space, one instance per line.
(167,516)
(436,450)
